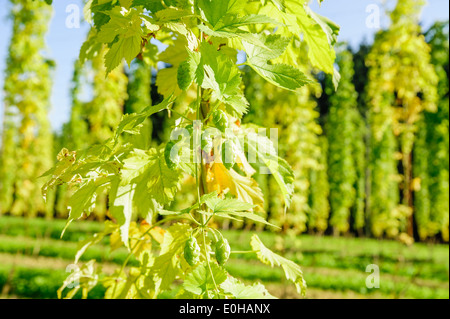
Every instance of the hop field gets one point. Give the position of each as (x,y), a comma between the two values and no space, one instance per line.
(33,260)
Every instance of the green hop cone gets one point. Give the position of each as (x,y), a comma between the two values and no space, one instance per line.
(192,251)
(171,161)
(228,156)
(220,120)
(190,129)
(172,151)
(223,251)
(135,272)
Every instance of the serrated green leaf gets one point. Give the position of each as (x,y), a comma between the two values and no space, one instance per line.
(330,28)
(121,207)
(202,201)
(167,83)
(230,34)
(126,3)
(336,79)
(153,179)
(280,4)
(320,43)
(82,200)
(247,215)
(86,244)
(292,271)
(165,266)
(176,53)
(282,75)
(114,56)
(172,14)
(124,32)
(230,25)
(90,48)
(130,123)
(213,11)
(218,205)
(165,271)
(261,148)
(174,238)
(226,21)
(188,71)
(146,206)
(223,77)
(233,22)
(231,208)
(97,11)
(166,79)
(200,281)
(244,188)
(273,46)
(240,291)
(61,173)
(151,5)
(96,238)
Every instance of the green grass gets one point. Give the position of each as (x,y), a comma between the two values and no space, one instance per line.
(419,261)
(385,249)
(42,228)
(424,269)
(342,281)
(60,249)
(330,264)
(410,268)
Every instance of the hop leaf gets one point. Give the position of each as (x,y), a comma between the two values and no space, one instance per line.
(282,75)
(200,281)
(240,291)
(221,180)
(124,34)
(291,270)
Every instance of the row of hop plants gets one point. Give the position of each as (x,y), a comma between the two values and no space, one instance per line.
(202,89)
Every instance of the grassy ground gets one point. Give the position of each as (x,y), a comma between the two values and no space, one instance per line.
(33,260)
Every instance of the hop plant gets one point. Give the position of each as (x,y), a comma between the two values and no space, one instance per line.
(202,88)
(192,251)
(223,251)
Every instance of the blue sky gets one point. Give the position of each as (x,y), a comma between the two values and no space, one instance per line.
(64,43)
